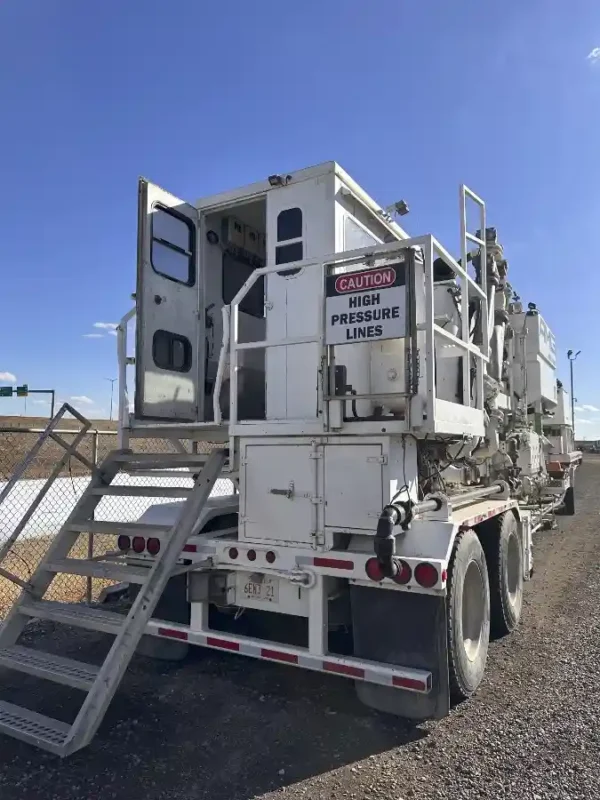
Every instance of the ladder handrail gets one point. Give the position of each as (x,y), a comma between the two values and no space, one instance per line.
(70,450)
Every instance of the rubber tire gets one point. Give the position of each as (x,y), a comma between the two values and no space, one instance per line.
(465,674)
(568,507)
(505,616)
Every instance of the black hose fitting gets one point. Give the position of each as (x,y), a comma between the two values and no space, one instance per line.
(385,539)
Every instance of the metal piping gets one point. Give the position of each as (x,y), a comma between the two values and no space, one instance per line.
(476,494)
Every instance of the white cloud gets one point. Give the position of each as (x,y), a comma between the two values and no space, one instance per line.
(41,402)
(594,56)
(81,398)
(93,336)
(107,326)
(114,333)
(8,376)
(590,408)
(585,421)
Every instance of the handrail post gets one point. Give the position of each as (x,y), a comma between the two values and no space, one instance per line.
(90,543)
(123,414)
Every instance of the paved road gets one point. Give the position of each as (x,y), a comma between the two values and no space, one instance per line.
(222,727)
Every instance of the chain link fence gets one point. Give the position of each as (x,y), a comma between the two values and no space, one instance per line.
(26,552)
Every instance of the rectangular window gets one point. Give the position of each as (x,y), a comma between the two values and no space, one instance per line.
(289,224)
(171,351)
(285,254)
(235,274)
(173,244)
(355,236)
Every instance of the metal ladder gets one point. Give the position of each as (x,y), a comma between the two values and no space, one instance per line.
(100,683)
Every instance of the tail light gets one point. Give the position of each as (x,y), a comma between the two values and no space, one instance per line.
(233,553)
(153,546)
(373,570)
(139,544)
(270,557)
(251,555)
(404,573)
(426,575)
(124,543)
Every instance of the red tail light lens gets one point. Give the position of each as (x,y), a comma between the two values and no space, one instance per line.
(270,557)
(153,546)
(373,570)
(251,555)
(124,543)
(426,575)
(139,544)
(404,573)
(233,553)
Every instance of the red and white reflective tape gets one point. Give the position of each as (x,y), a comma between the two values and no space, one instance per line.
(413,680)
(478,518)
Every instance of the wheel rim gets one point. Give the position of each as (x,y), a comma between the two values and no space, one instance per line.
(473,611)
(513,569)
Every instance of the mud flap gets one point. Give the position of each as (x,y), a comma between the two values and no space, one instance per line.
(408,630)
(173,606)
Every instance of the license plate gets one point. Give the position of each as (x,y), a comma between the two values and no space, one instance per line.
(265,589)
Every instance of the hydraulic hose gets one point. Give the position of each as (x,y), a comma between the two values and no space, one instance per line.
(385,540)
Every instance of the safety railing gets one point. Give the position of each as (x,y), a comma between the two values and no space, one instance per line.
(123,361)
(431,249)
(487,314)
(70,450)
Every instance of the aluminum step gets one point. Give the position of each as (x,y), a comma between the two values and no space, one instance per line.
(80,616)
(99,569)
(117,528)
(143,460)
(143,491)
(37,729)
(48,666)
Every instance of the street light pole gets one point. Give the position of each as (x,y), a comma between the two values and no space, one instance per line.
(112,388)
(572,356)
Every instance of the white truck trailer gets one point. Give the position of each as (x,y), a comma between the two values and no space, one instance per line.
(380,408)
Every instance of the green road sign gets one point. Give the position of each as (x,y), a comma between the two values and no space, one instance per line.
(22,391)
(6,391)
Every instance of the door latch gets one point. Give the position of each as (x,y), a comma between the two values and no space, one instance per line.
(289,492)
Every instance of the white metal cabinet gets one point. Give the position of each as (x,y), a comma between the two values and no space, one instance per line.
(353,486)
(279,494)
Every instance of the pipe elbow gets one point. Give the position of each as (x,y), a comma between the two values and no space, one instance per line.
(385,540)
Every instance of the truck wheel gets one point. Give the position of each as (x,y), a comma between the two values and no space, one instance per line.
(172,607)
(568,506)
(468,615)
(504,553)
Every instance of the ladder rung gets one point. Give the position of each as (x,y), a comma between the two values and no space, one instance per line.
(48,666)
(73,614)
(37,729)
(99,569)
(117,528)
(143,491)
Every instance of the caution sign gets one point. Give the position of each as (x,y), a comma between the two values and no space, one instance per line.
(366,306)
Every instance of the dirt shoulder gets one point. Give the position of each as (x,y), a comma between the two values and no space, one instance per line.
(223,727)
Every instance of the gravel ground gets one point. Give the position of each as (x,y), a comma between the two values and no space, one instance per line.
(223,727)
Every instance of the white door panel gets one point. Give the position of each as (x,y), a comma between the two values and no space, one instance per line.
(168,367)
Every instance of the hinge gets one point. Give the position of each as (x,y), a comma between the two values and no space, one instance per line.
(318,538)
(316,454)
(377,460)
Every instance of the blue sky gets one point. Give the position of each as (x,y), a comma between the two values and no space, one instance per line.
(410,97)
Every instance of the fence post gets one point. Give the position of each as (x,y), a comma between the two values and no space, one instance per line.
(90,549)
